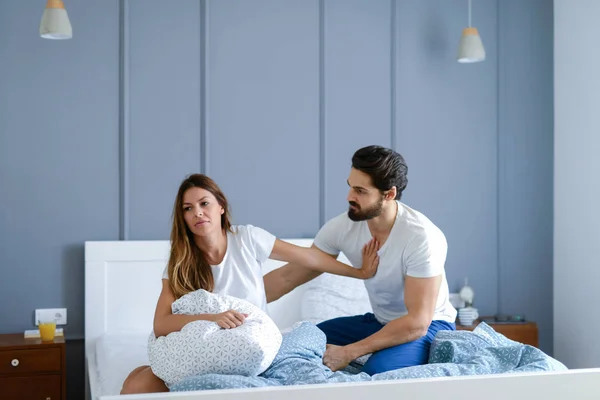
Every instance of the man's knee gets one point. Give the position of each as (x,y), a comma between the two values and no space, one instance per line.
(336,331)
(326,325)
(345,330)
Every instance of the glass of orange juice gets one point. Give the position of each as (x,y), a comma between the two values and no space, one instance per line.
(47,329)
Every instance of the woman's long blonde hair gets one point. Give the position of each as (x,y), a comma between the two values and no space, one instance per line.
(188,269)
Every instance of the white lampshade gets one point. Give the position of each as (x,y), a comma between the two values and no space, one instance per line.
(470,49)
(55,21)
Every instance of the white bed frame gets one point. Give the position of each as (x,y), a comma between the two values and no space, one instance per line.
(119,273)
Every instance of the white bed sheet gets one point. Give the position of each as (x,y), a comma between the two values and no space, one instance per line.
(116,357)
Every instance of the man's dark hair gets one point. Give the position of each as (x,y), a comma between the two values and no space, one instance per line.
(386,168)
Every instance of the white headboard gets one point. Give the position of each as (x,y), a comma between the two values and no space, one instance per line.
(123,282)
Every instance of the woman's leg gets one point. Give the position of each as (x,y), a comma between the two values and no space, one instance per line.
(143,380)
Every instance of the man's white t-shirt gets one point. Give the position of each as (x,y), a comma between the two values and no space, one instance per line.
(240,274)
(415,247)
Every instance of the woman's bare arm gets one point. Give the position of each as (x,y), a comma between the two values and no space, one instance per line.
(315,259)
(166,322)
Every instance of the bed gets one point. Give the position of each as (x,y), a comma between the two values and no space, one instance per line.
(118,320)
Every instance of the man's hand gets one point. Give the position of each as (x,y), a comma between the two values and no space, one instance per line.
(230,319)
(336,357)
(370,259)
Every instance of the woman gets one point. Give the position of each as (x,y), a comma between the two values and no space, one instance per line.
(207,252)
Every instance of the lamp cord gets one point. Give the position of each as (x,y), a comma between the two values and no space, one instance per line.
(469,13)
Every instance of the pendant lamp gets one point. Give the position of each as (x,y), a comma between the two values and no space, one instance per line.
(55,21)
(470,49)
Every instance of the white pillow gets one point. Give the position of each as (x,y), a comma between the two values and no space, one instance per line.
(202,347)
(331,296)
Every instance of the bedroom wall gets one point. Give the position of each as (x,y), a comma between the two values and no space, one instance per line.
(97,132)
(576,189)
(525,162)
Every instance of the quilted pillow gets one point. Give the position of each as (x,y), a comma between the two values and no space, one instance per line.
(202,347)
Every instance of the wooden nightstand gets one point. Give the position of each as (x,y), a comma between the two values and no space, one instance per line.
(526,332)
(31,369)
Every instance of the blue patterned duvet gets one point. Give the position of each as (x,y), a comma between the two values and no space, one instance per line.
(453,353)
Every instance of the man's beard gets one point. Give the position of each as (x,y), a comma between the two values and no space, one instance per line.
(356,214)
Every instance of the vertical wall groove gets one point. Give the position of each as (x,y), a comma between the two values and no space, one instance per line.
(322,141)
(203,87)
(499,175)
(393,54)
(124,120)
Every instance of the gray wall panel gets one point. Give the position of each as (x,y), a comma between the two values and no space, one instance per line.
(358,90)
(263,111)
(164,109)
(447,131)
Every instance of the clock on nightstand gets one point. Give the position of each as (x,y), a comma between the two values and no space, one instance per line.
(523,332)
(32,369)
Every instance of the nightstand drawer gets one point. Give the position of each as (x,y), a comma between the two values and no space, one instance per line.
(525,332)
(43,387)
(27,361)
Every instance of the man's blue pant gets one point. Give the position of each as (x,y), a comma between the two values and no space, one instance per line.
(346,330)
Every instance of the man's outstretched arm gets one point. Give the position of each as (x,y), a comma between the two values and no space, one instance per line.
(420,297)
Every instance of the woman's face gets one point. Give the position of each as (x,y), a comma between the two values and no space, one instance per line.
(201,211)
